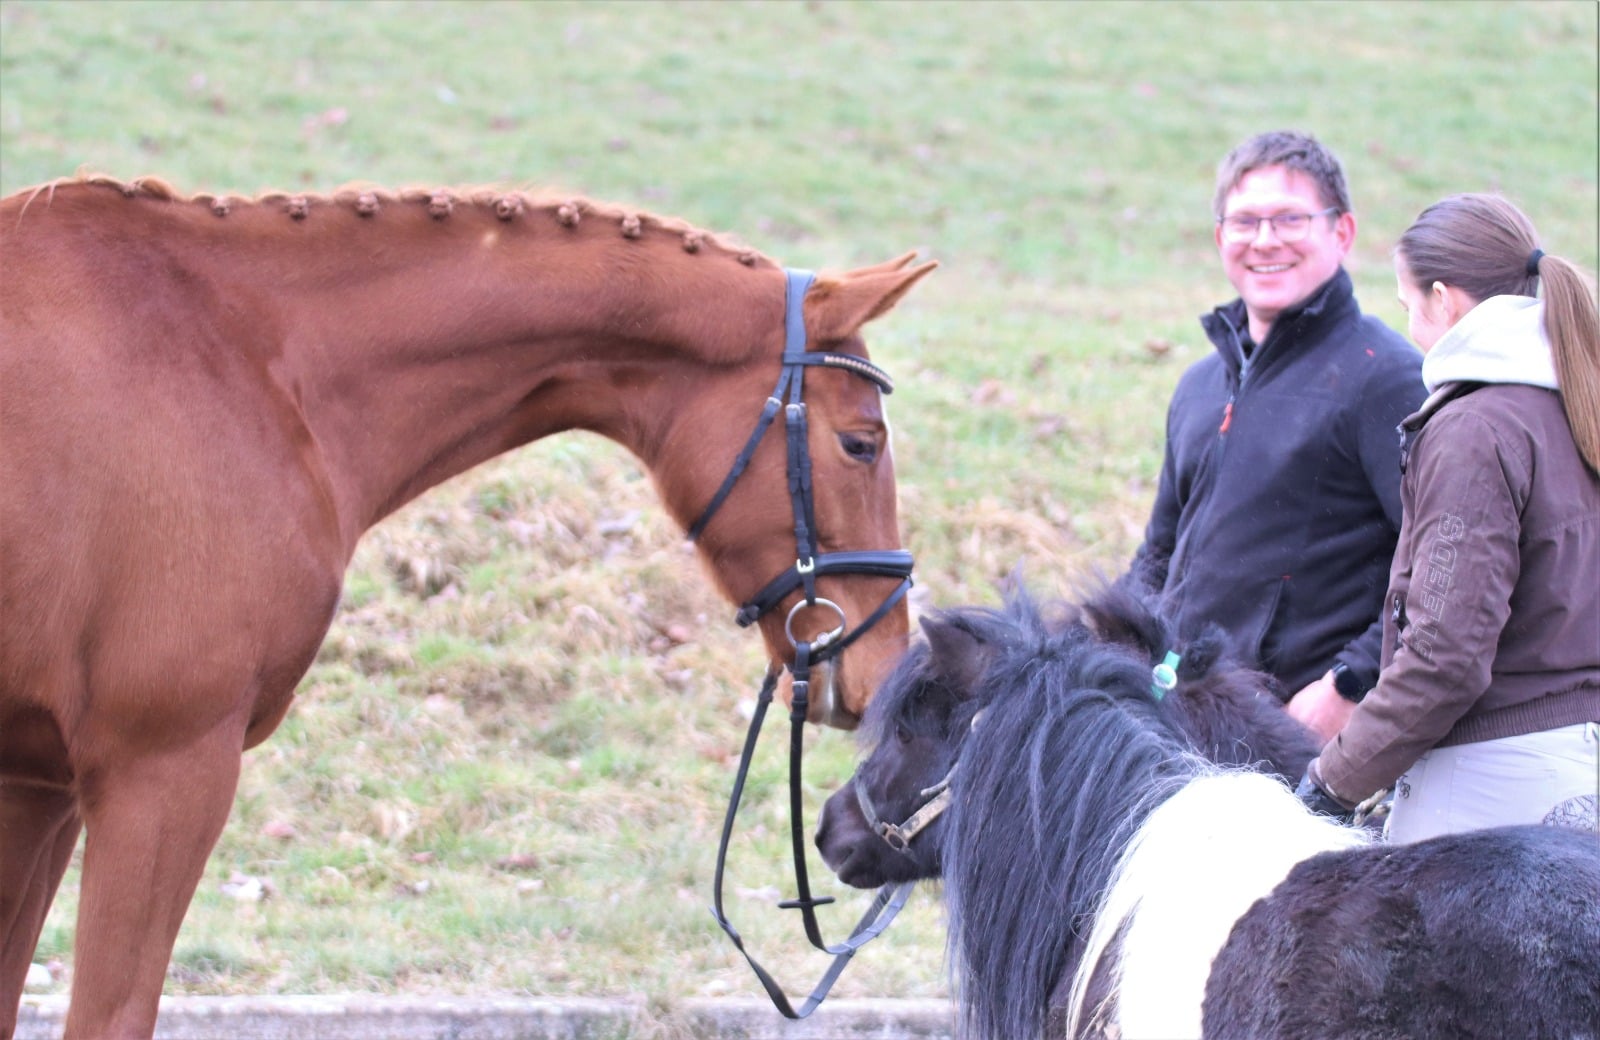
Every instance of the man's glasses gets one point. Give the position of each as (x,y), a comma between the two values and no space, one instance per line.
(1288,227)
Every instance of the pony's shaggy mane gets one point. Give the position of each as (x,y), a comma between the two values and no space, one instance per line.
(368,200)
(1070,757)
(1016,825)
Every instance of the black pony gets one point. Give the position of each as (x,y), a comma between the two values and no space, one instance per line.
(1103,877)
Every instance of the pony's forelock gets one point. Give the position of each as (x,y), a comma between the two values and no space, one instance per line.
(915,688)
(1022,850)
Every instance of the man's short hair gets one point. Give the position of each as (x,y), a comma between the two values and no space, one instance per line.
(1291,150)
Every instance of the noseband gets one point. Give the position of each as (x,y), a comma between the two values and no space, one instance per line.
(809,565)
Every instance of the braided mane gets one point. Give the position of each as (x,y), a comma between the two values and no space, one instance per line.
(369,200)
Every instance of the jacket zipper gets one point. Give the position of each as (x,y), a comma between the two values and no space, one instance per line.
(1222,443)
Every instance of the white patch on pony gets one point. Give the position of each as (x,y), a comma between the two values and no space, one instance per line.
(1200,861)
(489,239)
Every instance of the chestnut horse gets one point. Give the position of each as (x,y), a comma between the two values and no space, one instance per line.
(204,403)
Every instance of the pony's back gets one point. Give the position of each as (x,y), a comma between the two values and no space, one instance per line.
(1483,934)
(1202,858)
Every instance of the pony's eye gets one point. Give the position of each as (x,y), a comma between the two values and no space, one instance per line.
(902,734)
(859,446)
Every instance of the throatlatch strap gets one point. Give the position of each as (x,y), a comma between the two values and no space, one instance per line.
(768,413)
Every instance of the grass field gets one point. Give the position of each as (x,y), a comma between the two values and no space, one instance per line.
(510,782)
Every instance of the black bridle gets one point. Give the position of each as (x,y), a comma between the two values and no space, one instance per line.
(809,565)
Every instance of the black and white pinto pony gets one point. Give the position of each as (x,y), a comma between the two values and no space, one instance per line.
(1110,871)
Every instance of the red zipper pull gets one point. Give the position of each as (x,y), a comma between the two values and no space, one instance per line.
(1227,417)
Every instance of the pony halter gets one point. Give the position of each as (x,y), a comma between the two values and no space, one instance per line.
(933,802)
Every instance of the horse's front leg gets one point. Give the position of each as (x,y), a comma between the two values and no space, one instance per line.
(38,831)
(151,821)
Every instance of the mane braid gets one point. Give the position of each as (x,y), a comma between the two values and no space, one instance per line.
(1071,757)
(370,200)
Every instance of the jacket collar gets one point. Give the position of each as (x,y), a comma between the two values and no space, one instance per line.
(1228,326)
(1411,424)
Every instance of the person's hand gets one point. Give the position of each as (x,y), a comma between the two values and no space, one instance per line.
(1320,709)
(1316,798)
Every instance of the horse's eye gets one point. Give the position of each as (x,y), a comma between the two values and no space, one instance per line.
(859,446)
(902,734)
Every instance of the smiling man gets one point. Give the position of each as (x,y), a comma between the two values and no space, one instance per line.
(1279,502)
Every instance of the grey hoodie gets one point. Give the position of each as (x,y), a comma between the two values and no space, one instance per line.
(1501,340)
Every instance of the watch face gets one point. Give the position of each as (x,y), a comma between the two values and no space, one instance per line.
(1345,681)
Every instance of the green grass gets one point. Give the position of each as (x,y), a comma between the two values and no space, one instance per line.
(500,777)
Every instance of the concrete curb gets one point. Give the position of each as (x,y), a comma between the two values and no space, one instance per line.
(362,1017)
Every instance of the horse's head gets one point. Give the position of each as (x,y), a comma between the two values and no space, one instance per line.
(842,497)
(883,825)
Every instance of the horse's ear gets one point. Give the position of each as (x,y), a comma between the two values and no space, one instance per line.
(959,656)
(888,265)
(836,307)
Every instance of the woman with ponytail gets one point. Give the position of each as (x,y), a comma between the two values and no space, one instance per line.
(1487,710)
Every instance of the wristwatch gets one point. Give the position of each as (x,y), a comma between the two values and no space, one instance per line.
(1349,686)
(1316,798)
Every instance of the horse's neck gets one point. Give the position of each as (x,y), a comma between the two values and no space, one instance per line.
(417,347)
